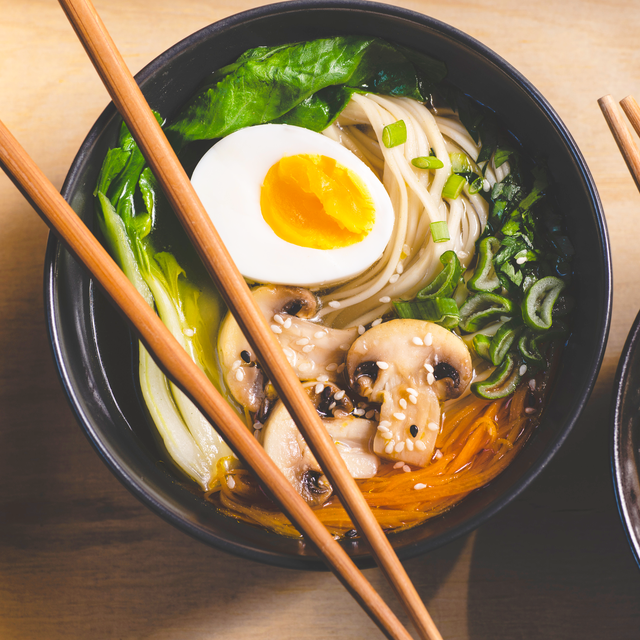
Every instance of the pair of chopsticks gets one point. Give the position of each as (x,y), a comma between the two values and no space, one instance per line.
(176,363)
(620,131)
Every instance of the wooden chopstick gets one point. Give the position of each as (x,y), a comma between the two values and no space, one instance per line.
(130,102)
(620,131)
(178,365)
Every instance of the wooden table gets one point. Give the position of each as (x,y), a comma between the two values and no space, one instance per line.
(81,558)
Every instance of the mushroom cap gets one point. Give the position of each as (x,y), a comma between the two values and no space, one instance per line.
(410,367)
(407,347)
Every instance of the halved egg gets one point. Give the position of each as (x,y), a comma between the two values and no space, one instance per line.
(293,206)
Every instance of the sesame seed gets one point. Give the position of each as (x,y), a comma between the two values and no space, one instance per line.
(394,278)
(375,323)
(308,348)
(523,369)
(236,364)
(369,414)
(339,394)
(302,341)
(430,378)
(428,340)
(319,334)
(275,328)
(409,444)
(361,329)
(188,332)
(363,405)
(411,391)
(406,249)
(382,365)
(399,416)
(385,299)
(278,318)
(420,486)
(256,435)
(398,465)
(403,403)
(387,435)
(334,304)
(332,366)
(529,410)
(384,423)
(438,454)
(287,323)
(323,378)
(340,368)
(319,387)
(257,426)
(433,426)
(421,446)
(486,185)
(406,468)
(304,366)
(389,447)
(399,447)
(344,347)
(399,267)
(231,483)
(413,430)
(417,341)
(532,384)
(521,260)
(358,412)
(239,375)
(290,353)
(429,367)
(332,406)
(413,400)
(382,429)
(246,356)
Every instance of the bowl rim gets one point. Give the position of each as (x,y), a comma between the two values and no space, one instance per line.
(626,485)
(71,181)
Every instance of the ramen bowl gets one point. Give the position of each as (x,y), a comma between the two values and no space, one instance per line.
(95,352)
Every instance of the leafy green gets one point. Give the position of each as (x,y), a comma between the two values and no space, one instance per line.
(305,84)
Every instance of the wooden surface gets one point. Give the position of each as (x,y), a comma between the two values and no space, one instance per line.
(80,557)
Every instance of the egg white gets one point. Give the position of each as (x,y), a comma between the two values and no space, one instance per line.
(228,180)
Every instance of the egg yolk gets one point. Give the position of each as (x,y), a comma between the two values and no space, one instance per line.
(313,201)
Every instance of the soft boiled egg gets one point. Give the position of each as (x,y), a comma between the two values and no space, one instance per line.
(293,206)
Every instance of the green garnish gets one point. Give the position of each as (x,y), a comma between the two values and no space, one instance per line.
(481,309)
(440,231)
(537,306)
(442,311)
(394,134)
(444,284)
(427,162)
(502,382)
(453,186)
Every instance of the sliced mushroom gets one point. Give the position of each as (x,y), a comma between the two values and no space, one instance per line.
(311,348)
(287,448)
(410,367)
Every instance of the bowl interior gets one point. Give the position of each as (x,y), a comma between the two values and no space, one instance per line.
(93,347)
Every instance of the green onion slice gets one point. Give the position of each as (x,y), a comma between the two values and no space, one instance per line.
(460,163)
(427,162)
(440,231)
(483,308)
(453,186)
(444,284)
(442,311)
(485,277)
(502,382)
(529,350)
(504,338)
(481,344)
(537,306)
(394,134)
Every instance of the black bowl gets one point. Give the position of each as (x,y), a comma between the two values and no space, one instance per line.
(625,444)
(93,348)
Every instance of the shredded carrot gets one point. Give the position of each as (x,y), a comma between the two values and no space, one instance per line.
(478,440)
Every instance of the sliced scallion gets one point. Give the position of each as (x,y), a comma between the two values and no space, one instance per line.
(427,162)
(442,311)
(440,231)
(453,186)
(394,134)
